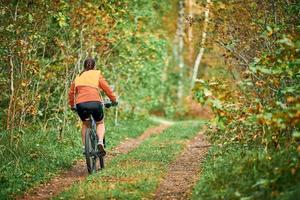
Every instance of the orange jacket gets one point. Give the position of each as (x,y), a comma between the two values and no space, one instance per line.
(86,87)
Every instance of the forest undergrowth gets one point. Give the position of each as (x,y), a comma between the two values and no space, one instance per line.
(241,59)
(43,46)
(41,155)
(255,97)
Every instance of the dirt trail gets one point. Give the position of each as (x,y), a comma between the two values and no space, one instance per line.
(79,172)
(184,171)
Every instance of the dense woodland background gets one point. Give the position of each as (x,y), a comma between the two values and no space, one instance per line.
(239,58)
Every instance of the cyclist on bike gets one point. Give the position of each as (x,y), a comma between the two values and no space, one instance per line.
(84,97)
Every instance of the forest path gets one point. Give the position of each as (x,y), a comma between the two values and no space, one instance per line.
(184,171)
(79,172)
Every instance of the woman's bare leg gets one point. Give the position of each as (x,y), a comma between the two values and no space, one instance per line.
(100,131)
(83,130)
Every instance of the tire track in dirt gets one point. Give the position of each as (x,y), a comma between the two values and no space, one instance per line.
(184,171)
(78,172)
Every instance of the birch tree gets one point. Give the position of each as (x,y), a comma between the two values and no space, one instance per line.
(190,29)
(202,45)
(180,35)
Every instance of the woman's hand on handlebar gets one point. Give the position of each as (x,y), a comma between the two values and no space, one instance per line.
(109,104)
(114,103)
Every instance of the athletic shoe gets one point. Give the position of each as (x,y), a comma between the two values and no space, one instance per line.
(101,150)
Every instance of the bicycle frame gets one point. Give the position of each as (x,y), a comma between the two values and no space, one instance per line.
(91,151)
(91,141)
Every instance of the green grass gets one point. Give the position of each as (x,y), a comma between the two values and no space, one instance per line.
(244,172)
(40,155)
(130,128)
(136,175)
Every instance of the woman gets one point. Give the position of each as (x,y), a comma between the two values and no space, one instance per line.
(84,93)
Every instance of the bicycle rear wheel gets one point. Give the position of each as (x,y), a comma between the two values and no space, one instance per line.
(90,161)
(101,160)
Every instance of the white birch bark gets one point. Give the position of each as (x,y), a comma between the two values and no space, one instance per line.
(180,35)
(190,30)
(202,48)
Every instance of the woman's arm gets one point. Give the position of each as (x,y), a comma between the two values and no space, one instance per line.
(107,90)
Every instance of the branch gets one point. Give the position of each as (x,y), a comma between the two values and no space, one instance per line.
(245,62)
(16,12)
(9,112)
(236,54)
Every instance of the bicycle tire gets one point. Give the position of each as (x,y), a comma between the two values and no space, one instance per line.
(94,142)
(101,161)
(88,149)
(101,158)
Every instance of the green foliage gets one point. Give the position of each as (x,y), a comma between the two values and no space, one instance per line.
(256,153)
(43,46)
(45,43)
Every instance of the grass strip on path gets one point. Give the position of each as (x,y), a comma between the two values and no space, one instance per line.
(79,171)
(136,175)
(183,172)
(36,156)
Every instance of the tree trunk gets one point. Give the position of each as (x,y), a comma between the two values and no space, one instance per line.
(10,111)
(180,34)
(190,31)
(202,48)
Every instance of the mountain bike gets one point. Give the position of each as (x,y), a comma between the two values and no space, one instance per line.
(91,152)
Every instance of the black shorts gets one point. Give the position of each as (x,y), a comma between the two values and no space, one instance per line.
(93,108)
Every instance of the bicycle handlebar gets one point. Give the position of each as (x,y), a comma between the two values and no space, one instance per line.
(108,104)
